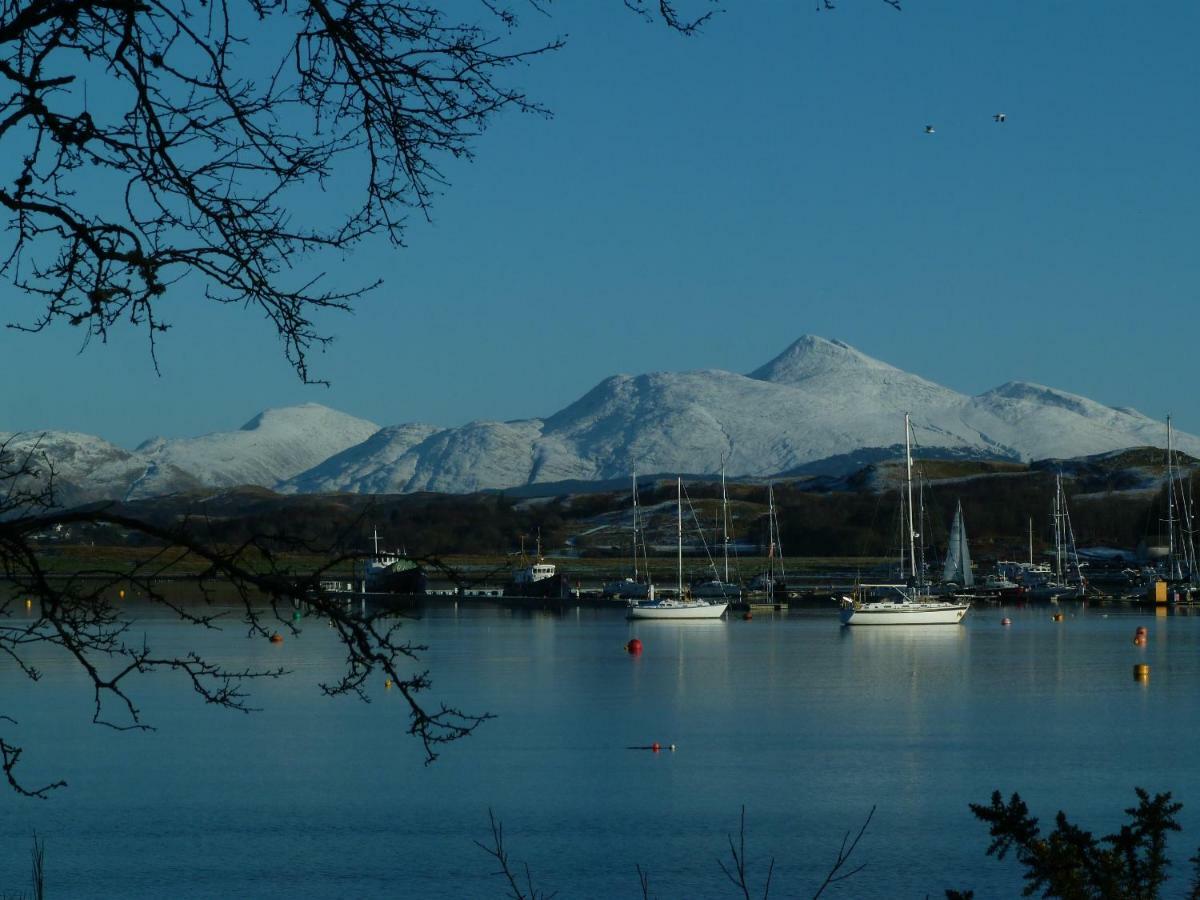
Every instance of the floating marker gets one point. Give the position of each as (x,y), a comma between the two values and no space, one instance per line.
(388,684)
(1141,671)
(1006,621)
(1057,617)
(634,647)
(656,746)
(121,594)
(747,616)
(277,638)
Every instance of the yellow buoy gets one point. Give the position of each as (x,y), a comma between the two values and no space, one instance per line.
(388,683)
(121,594)
(28,603)
(1141,671)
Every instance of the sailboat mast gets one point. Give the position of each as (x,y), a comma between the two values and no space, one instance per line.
(771,535)
(912,548)
(679,530)
(725,523)
(1058,573)
(1031,541)
(1172,562)
(633,478)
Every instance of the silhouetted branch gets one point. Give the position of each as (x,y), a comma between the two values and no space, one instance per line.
(738,874)
(500,854)
(845,851)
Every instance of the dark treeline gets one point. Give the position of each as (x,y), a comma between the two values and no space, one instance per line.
(855,520)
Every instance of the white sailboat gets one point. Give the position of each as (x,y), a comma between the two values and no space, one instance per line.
(681,606)
(958,557)
(905,605)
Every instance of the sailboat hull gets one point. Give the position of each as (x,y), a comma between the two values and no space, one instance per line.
(677,609)
(904,613)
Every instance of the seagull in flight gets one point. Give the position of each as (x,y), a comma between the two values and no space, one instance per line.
(999,117)
(929,129)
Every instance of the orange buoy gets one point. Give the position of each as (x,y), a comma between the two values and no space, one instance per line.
(121,594)
(1140,640)
(1006,621)
(1058,617)
(634,647)
(277,638)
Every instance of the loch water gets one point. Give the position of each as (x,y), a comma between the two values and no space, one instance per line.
(805,724)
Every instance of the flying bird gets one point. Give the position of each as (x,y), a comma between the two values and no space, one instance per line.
(929,129)
(999,117)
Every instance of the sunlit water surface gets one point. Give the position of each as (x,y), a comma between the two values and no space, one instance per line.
(805,724)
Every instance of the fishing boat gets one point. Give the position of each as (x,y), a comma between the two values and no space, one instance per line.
(910,603)
(392,572)
(538,578)
(681,606)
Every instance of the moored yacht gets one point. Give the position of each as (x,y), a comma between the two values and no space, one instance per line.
(902,604)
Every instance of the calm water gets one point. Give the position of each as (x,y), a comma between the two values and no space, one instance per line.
(806,724)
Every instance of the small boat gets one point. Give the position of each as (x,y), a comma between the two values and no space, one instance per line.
(904,605)
(681,606)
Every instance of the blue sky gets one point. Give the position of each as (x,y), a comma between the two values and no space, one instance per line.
(700,203)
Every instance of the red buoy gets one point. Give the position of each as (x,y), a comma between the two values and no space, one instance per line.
(1006,621)
(634,647)
(655,746)
(277,638)
(747,616)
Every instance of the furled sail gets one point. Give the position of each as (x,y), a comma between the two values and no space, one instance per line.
(958,556)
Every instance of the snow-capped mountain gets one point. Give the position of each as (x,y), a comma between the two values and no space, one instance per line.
(273,446)
(817,402)
(82,468)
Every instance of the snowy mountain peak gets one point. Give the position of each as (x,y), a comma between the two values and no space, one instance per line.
(303,415)
(812,357)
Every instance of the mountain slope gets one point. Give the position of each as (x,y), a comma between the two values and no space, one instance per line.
(275,445)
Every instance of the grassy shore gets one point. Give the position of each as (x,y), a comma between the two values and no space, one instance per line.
(66,560)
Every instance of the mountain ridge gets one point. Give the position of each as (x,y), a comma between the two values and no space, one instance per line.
(818,400)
